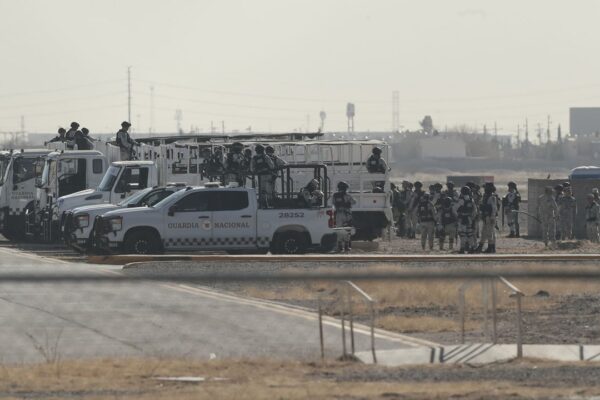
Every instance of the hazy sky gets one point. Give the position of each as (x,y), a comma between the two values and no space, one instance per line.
(270,63)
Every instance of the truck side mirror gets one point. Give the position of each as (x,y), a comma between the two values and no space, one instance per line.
(127,188)
(172,210)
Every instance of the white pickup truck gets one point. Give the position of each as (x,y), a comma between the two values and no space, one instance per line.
(78,223)
(218,218)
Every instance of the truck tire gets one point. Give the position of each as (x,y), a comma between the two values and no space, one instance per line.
(142,242)
(291,243)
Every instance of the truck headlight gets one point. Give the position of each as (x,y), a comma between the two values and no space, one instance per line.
(82,221)
(114,224)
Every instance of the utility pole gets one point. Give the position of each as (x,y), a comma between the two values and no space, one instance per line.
(526,131)
(223,127)
(548,129)
(539,132)
(151,109)
(518,134)
(129,94)
(178,118)
(395,111)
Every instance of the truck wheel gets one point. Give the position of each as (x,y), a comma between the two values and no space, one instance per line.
(142,242)
(291,243)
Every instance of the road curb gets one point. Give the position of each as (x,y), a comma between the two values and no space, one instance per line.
(412,258)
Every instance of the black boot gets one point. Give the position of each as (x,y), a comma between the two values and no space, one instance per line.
(479,248)
(490,249)
(461,251)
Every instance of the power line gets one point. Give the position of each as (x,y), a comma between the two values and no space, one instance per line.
(63,89)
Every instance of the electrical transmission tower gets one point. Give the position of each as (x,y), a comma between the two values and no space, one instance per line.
(395,111)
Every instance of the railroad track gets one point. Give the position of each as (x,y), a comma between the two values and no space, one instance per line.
(366,258)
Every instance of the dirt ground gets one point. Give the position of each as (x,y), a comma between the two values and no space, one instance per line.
(264,379)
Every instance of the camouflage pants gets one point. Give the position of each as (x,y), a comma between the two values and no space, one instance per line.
(343,217)
(412,221)
(488,233)
(449,231)
(427,232)
(591,229)
(265,190)
(512,220)
(548,230)
(466,233)
(233,177)
(566,227)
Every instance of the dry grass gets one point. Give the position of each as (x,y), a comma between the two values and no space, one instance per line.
(403,305)
(133,379)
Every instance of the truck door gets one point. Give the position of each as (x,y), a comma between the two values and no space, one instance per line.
(130,181)
(234,222)
(188,223)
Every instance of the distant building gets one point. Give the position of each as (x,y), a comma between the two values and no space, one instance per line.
(584,121)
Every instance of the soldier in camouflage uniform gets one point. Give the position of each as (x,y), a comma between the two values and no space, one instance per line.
(427,220)
(592,219)
(234,165)
(466,211)
(343,203)
(447,222)
(547,214)
(414,204)
(262,167)
(510,204)
(489,212)
(567,210)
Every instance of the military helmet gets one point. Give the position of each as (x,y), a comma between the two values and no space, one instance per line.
(489,187)
(125,124)
(470,184)
(237,146)
(85,131)
(511,184)
(343,186)
(558,188)
(314,183)
(74,125)
(566,184)
(62,131)
(425,197)
(270,150)
(259,148)
(450,184)
(418,184)
(438,186)
(465,190)
(376,150)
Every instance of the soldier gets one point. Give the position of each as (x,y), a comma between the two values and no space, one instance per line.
(343,203)
(427,218)
(262,166)
(215,167)
(278,162)
(436,194)
(466,211)
(558,193)
(234,165)
(401,203)
(488,212)
(567,210)
(310,194)
(82,140)
(596,194)
(414,204)
(476,195)
(592,219)
(547,213)
(510,204)
(247,162)
(396,207)
(451,191)
(447,223)
(70,136)
(125,142)
(377,165)
(59,138)
(407,196)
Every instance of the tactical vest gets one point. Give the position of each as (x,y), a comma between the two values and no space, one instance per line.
(447,216)
(341,201)
(232,165)
(261,167)
(467,208)
(425,212)
(486,208)
(374,166)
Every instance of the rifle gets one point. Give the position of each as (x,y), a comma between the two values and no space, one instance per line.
(528,214)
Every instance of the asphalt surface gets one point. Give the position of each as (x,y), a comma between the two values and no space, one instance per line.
(50,321)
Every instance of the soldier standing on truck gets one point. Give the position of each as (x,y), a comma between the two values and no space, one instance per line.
(262,166)
(377,165)
(235,165)
(278,162)
(125,142)
(59,138)
(215,168)
(70,136)
(510,207)
(343,202)
(310,195)
(82,140)
(247,162)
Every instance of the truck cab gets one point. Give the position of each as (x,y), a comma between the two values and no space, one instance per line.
(20,170)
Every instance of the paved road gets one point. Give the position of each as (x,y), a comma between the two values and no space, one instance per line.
(42,321)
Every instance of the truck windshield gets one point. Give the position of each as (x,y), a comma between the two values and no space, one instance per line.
(109,179)
(4,161)
(135,198)
(24,169)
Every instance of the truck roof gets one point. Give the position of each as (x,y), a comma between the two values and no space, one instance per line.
(133,162)
(66,153)
(30,152)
